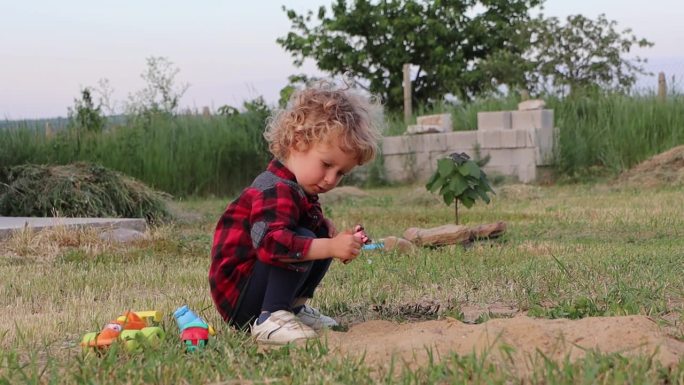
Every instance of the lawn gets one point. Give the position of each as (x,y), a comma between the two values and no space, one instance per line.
(571,251)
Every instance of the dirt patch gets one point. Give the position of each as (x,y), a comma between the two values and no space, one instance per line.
(556,339)
(665,169)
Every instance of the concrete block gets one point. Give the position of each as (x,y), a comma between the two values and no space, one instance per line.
(532,104)
(522,120)
(515,139)
(461,139)
(544,142)
(496,120)
(440,120)
(524,138)
(435,142)
(392,145)
(395,168)
(527,174)
(489,138)
(501,156)
(525,157)
(417,129)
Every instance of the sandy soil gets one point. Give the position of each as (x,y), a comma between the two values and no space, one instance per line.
(557,339)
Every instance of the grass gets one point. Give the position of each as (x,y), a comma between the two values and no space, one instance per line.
(570,251)
(218,155)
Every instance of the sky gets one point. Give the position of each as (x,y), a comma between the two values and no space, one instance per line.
(226,50)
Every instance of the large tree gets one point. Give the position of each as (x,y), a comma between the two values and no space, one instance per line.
(446,41)
(580,54)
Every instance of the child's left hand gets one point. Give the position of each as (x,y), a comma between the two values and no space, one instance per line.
(332,231)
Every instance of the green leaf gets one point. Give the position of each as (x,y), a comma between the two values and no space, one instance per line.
(432,181)
(469,168)
(448,198)
(467,202)
(458,184)
(445,167)
(439,182)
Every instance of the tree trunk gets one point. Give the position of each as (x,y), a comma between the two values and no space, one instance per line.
(456,210)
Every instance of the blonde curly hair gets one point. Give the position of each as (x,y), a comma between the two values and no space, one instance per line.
(321,113)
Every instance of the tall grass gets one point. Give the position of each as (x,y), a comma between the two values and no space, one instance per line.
(615,131)
(192,155)
(182,155)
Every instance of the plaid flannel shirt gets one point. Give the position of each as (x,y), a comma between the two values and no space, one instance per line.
(260,224)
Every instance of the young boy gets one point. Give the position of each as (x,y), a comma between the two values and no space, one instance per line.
(272,246)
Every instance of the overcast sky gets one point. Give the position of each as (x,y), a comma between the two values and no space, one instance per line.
(225,50)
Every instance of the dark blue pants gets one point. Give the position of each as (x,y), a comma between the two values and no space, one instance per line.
(272,288)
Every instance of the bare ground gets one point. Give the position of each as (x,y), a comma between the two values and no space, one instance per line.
(556,339)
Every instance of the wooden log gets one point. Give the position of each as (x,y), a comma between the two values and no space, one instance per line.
(399,244)
(488,231)
(453,234)
(438,236)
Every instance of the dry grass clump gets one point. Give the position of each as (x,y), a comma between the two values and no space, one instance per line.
(45,245)
(77,190)
(664,169)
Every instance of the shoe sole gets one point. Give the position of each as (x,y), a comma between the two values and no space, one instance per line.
(277,343)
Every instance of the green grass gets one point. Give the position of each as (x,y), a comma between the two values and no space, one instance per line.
(217,156)
(570,251)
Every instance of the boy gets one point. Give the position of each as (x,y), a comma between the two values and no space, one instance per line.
(272,246)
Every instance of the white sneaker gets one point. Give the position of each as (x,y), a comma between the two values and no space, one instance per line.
(314,319)
(280,328)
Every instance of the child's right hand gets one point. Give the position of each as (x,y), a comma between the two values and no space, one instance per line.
(346,246)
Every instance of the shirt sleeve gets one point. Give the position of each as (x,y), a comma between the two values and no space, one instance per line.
(274,217)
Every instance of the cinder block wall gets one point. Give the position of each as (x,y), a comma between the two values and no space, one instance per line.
(518,142)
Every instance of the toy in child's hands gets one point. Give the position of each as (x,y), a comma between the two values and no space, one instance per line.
(361,233)
(129,329)
(194,331)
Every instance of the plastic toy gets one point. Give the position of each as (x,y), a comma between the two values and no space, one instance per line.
(130,329)
(361,233)
(194,331)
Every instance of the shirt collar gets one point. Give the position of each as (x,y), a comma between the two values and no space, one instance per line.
(279,170)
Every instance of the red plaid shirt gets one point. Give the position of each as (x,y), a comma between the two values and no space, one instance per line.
(260,224)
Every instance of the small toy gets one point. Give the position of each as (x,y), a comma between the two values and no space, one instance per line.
(194,331)
(129,329)
(361,233)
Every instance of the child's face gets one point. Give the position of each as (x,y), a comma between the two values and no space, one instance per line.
(321,167)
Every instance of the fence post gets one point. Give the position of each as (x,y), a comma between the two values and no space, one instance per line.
(407,93)
(662,87)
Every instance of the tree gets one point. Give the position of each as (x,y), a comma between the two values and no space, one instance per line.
(444,39)
(86,115)
(582,54)
(459,179)
(162,93)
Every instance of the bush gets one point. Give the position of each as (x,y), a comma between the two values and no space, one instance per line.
(77,190)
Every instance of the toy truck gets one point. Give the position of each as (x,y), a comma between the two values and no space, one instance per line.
(130,329)
(194,331)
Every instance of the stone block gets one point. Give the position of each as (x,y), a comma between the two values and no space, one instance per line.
(532,104)
(461,139)
(417,129)
(392,145)
(440,120)
(544,141)
(523,120)
(515,139)
(489,138)
(496,120)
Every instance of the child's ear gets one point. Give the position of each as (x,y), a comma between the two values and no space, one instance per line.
(299,145)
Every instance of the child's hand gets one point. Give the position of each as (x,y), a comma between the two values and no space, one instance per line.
(346,246)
